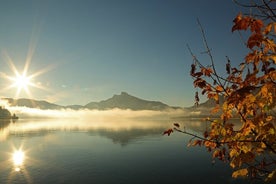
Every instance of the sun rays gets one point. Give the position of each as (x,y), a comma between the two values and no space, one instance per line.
(22,80)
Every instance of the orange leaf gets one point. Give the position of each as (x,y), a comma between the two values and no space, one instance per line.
(213,95)
(254,40)
(207,71)
(240,172)
(215,109)
(268,28)
(219,88)
(256,26)
(241,23)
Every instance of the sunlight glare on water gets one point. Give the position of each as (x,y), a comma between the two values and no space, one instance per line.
(18,159)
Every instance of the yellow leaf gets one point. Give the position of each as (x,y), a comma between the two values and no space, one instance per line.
(216,153)
(271,131)
(268,28)
(239,173)
(263,145)
(223,132)
(271,176)
(264,90)
(246,148)
(233,153)
(273,58)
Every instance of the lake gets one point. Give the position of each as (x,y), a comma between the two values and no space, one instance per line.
(121,151)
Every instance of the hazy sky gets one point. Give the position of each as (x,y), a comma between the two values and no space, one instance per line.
(90,50)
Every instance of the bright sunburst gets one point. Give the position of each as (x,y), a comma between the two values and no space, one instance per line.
(18,157)
(22,81)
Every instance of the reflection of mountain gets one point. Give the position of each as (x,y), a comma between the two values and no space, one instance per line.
(124,137)
(121,133)
(4,123)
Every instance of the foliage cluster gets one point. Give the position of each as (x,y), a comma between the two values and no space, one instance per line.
(249,92)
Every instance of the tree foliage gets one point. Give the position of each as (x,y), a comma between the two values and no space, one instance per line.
(249,92)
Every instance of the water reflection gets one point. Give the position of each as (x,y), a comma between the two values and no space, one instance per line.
(4,123)
(18,159)
(120,131)
(53,151)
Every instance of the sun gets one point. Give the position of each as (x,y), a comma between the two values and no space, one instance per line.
(21,81)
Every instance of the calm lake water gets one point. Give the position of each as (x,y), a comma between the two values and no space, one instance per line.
(83,151)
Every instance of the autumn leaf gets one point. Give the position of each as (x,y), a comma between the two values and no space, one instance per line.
(216,153)
(168,132)
(252,56)
(213,96)
(215,109)
(219,88)
(271,176)
(267,29)
(249,92)
(200,83)
(207,71)
(241,23)
(205,134)
(255,40)
(233,153)
(197,142)
(269,118)
(197,74)
(239,173)
(256,26)
(273,58)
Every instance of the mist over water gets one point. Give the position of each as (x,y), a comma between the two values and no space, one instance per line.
(113,146)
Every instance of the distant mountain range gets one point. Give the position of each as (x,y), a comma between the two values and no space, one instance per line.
(122,101)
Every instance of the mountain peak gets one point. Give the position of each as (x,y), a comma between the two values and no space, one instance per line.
(126,101)
(120,101)
(124,93)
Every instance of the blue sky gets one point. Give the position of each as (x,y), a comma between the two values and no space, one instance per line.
(91,50)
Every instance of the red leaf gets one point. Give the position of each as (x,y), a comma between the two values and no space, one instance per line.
(254,40)
(206,134)
(241,23)
(168,132)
